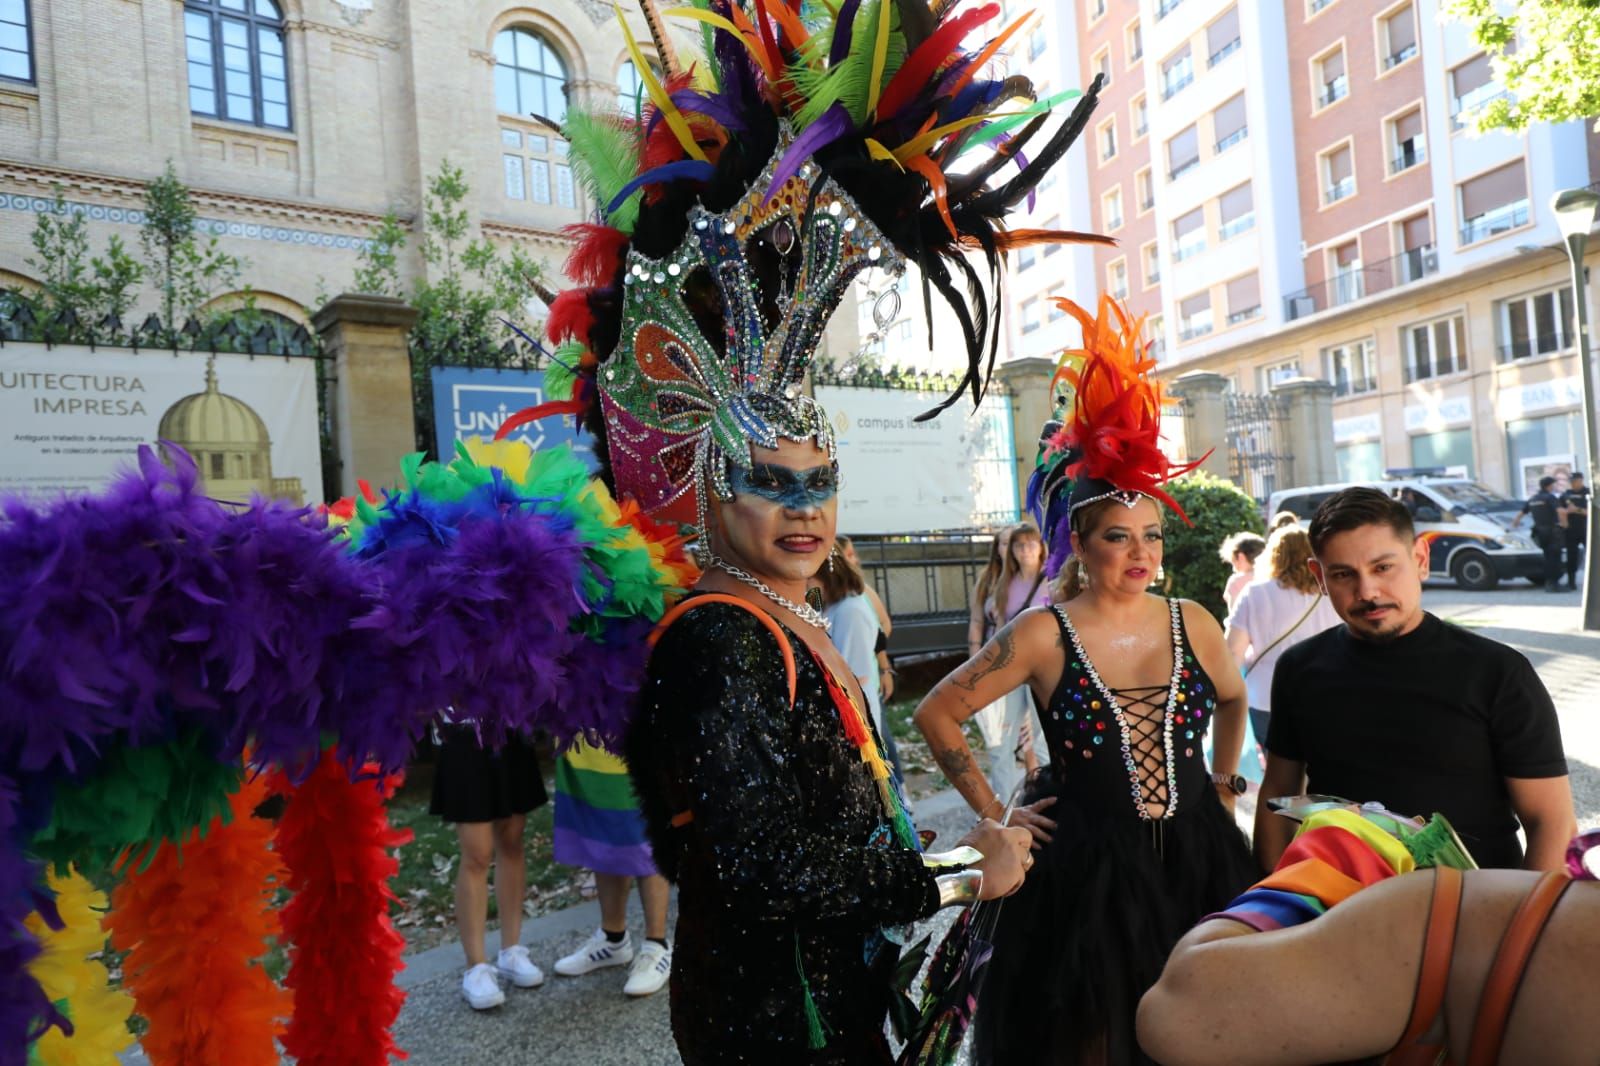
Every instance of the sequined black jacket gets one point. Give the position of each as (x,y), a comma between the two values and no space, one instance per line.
(778,872)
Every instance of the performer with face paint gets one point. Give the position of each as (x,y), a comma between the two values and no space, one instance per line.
(799,153)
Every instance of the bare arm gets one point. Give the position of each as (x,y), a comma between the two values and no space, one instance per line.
(1265,980)
(1283,777)
(975,621)
(883,612)
(1238,643)
(1544,807)
(1005,663)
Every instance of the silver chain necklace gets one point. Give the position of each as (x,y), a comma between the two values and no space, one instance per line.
(803,611)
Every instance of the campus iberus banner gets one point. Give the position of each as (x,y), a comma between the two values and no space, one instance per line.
(955,471)
(71,416)
(473,402)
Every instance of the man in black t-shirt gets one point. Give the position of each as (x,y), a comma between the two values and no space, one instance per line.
(1545,509)
(1575,505)
(1400,707)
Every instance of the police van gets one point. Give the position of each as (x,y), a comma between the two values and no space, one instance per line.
(1467,524)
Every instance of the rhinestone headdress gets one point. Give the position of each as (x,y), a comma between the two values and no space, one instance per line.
(1104,439)
(676,405)
(741,197)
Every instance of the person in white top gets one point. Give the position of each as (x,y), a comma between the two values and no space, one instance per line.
(1240,551)
(853,627)
(1274,614)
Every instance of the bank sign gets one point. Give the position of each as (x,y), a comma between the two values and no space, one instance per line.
(475,402)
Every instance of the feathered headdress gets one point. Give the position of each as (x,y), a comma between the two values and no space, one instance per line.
(735,207)
(1104,442)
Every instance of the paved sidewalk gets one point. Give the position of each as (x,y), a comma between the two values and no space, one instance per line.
(570,1021)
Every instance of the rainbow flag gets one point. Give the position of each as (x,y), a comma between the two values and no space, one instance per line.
(598,824)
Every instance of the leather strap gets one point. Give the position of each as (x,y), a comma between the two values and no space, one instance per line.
(1510,962)
(1438,949)
(687,605)
(686,817)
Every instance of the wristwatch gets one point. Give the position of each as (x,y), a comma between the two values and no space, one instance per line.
(1233,782)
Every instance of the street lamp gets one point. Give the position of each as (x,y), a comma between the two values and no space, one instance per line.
(1574,210)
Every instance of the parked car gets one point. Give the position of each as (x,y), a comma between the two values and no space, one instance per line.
(1467,523)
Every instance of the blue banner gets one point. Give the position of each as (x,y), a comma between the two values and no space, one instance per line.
(470,402)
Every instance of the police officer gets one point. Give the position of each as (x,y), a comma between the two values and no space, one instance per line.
(1545,510)
(1575,502)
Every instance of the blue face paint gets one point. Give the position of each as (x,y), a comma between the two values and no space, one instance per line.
(793,490)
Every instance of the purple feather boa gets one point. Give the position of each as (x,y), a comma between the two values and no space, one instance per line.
(149,607)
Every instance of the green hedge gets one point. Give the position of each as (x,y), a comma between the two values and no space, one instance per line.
(1218,508)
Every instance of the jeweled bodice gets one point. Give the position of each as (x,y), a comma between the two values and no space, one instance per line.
(1138,750)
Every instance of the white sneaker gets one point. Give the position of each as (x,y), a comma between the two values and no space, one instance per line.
(480,987)
(649,971)
(596,953)
(513,962)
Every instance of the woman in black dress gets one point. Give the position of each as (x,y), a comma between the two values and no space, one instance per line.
(1135,836)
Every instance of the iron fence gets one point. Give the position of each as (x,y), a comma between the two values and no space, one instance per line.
(1259,458)
(244,332)
(925,582)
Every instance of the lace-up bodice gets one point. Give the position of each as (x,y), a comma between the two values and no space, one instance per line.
(1142,742)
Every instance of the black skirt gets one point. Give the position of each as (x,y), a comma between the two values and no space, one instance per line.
(474,784)
(1090,930)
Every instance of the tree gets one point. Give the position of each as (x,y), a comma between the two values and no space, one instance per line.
(1545,52)
(187,273)
(378,262)
(90,287)
(472,290)
(1217,507)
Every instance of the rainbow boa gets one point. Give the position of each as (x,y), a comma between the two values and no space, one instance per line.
(152,634)
(1336,853)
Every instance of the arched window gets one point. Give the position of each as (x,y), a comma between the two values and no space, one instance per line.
(630,88)
(237,62)
(529,77)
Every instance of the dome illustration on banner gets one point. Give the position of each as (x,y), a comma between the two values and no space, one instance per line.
(229,443)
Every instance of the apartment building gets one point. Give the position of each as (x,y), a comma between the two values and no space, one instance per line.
(1319,210)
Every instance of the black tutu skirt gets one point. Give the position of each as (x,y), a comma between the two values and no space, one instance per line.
(1088,933)
(476,784)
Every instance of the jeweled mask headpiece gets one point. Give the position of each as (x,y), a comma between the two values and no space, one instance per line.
(739,197)
(717,336)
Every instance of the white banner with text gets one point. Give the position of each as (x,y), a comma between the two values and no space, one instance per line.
(73,416)
(955,471)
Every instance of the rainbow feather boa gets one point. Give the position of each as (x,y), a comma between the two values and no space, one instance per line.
(153,634)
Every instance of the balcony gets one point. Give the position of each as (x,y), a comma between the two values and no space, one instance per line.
(1113,221)
(1340,189)
(1147,203)
(1198,328)
(1408,158)
(1187,248)
(1334,91)
(1394,59)
(1142,128)
(1492,223)
(1244,315)
(1347,287)
(1345,385)
(1166,7)
(1237,226)
(1463,107)
(1403,269)
(1232,139)
(1318,5)
(1183,168)
(1223,53)
(1174,83)
(1528,347)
